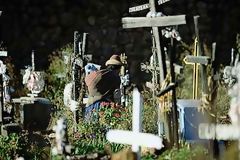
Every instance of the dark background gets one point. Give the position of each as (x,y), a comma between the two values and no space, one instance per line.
(47,25)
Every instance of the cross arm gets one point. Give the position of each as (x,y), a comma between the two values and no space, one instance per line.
(205,60)
(136,22)
(3,53)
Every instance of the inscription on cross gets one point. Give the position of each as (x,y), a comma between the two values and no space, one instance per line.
(145,6)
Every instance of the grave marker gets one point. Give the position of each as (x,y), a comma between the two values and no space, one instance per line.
(153,21)
(135,137)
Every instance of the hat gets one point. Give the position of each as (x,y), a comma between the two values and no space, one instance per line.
(114,60)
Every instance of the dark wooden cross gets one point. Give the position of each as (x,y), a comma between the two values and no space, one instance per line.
(154,22)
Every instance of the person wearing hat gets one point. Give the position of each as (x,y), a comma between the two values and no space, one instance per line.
(101,84)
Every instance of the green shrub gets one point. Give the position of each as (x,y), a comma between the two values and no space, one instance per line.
(185,153)
(9,146)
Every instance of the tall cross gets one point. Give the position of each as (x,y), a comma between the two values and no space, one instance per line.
(135,137)
(198,59)
(154,22)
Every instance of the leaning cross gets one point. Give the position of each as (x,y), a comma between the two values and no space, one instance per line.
(135,137)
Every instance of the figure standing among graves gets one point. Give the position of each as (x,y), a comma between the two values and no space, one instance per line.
(102,84)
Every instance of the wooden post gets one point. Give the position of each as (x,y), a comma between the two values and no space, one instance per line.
(33,63)
(137,118)
(2,54)
(174,99)
(158,43)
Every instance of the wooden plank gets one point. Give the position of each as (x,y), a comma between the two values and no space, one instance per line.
(218,131)
(189,59)
(139,8)
(136,22)
(134,138)
(162,1)
(3,53)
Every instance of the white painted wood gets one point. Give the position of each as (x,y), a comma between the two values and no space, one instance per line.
(33,64)
(162,1)
(139,8)
(136,22)
(3,53)
(133,138)
(137,116)
(219,131)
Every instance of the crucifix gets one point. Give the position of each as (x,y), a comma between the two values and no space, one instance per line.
(135,137)
(154,22)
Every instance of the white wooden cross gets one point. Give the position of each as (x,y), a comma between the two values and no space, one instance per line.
(135,137)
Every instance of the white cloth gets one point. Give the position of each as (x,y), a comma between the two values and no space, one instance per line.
(90,67)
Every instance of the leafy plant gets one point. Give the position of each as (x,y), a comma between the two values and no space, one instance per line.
(185,153)
(91,135)
(9,146)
